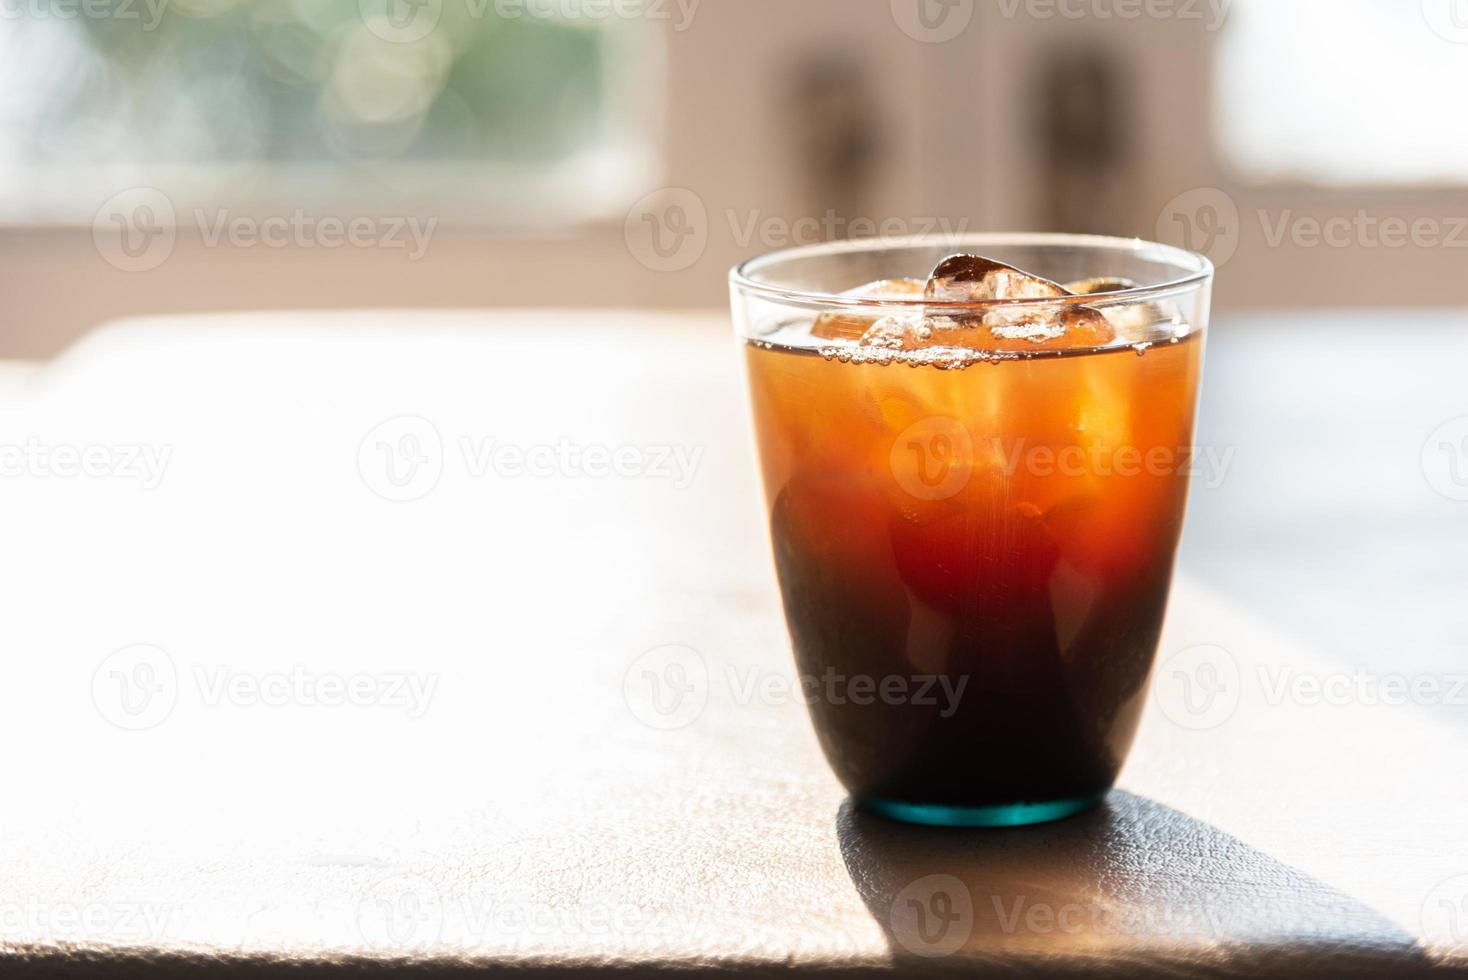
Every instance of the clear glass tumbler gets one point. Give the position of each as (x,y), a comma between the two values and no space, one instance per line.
(974,508)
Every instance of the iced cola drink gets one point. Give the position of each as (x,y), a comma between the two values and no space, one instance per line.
(975,459)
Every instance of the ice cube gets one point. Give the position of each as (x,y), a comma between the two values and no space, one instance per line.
(898,333)
(974,278)
(1100,284)
(1131,321)
(852,326)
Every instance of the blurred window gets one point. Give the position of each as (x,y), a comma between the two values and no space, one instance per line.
(1344,91)
(482,112)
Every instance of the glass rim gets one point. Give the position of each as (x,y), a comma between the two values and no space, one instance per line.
(742,276)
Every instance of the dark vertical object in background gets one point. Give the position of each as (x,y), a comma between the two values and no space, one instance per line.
(837,138)
(1083,115)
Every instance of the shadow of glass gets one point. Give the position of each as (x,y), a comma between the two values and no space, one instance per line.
(1131,888)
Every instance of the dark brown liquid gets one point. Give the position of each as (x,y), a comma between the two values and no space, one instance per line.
(1010,527)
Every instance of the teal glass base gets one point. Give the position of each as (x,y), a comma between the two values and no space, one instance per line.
(1001,815)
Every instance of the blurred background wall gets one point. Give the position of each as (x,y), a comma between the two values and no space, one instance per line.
(188,155)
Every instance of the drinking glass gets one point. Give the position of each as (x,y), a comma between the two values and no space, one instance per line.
(974,536)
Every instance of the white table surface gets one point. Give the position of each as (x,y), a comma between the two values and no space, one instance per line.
(224,813)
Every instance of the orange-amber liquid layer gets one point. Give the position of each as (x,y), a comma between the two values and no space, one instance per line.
(1014,524)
